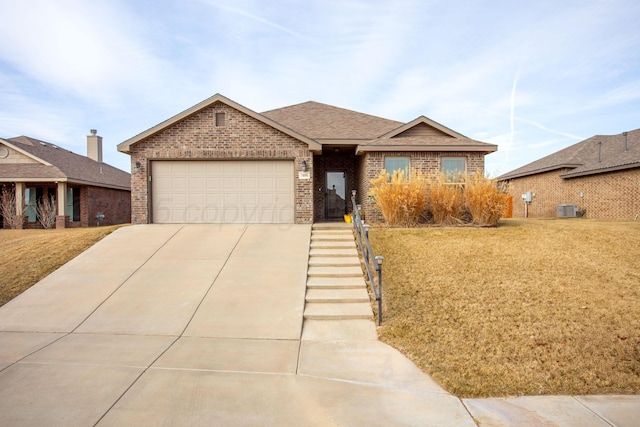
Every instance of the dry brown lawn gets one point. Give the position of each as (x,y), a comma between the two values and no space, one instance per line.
(533,307)
(29,255)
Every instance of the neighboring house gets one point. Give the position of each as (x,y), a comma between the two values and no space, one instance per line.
(220,162)
(83,187)
(600,175)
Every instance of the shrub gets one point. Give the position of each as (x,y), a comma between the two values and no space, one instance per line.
(401,199)
(8,208)
(484,200)
(46,212)
(437,198)
(446,200)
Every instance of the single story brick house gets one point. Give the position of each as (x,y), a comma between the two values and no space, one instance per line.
(600,175)
(220,162)
(83,187)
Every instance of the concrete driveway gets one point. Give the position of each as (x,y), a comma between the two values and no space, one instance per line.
(196,325)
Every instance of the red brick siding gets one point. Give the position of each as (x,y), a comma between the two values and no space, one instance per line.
(614,195)
(426,161)
(114,204)
(197,137)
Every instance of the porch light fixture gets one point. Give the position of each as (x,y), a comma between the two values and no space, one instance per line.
(304,166)
(138,164)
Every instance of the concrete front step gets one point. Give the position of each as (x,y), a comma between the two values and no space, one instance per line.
(318,261)
(336,282)
(337,295)
(332,238)
(338,311)
(333,232)
(335,272)
(327,244)
(331,226)
(333,252)
(339,330)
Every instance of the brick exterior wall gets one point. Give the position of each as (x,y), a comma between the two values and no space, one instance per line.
(114,204)
(613,195)
(197,137)
(371,163)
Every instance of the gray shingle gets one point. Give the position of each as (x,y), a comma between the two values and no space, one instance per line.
(74,167)
(588,157)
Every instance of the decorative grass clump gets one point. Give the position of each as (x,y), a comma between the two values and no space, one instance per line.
(446,200)
(406,200)
(401,199)
(483,200)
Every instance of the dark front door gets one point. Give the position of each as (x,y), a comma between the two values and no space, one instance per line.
(335,204)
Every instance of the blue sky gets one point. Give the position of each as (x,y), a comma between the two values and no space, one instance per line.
(530,76)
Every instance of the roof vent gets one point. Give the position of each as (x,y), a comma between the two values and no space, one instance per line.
(599,151)
(625,140)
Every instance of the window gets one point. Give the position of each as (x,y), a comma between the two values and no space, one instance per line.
(72,208)
(220,119)
(30,200)
(392,164)
(453,167)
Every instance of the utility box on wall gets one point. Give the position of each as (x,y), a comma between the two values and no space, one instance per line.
(567,211)
(527,197)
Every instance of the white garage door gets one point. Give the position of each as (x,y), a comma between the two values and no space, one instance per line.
(222,191)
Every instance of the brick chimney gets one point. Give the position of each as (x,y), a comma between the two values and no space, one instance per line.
(94,146)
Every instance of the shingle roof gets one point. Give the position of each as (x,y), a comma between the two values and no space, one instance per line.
(329,124)
(598,154)
(125,146)
(426,143)
(320,124)
(321,121)
(61,164)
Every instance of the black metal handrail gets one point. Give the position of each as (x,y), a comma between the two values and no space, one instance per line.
(372,262)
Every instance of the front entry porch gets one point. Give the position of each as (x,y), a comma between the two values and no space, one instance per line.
(336,173)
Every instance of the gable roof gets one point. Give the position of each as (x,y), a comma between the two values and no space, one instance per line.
(335,125)
(54,163)
(326,122)
(426,143)
(125,146)
(318,124)
(598,154)
(422,120)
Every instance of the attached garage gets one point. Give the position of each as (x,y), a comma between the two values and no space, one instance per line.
(222,191)
(220,162)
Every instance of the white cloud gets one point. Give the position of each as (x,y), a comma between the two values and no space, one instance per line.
(544,74)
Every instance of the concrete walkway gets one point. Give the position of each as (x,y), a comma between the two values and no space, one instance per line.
(203,325)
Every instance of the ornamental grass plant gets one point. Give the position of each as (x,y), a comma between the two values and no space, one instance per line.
(446,200)
(406,199)
(401,197)
(483,200)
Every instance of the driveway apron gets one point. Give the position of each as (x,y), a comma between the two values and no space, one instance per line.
(73,344)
